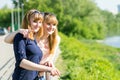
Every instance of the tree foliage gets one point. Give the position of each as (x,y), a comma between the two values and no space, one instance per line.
(88,60)
(5,17)
(78,18)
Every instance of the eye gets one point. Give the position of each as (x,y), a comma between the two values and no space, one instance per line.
(54,24)
(48,23)
(34,21)
(40,22)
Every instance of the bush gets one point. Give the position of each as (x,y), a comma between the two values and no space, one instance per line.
(89,60)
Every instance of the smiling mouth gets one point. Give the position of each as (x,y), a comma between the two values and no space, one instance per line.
(50,30)
(36,27)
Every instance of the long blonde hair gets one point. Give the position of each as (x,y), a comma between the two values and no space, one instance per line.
(36,15)
(51,18)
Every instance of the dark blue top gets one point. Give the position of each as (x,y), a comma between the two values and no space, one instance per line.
(25,49)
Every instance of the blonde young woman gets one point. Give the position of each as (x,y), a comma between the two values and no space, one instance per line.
(47,43)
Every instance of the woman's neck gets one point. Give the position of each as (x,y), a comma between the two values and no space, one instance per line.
(45,36)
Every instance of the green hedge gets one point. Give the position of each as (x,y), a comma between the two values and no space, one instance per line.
(88,60)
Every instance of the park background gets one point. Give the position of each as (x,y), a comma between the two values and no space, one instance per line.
(82,27)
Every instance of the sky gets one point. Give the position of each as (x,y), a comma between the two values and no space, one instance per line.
(110,5)
(5,2)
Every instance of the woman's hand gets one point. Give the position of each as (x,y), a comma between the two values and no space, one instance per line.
(49,64)
(24,32)
(55,72)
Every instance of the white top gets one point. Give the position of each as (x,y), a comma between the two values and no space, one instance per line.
(44,46)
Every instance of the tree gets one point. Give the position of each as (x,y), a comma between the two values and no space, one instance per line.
(5,17)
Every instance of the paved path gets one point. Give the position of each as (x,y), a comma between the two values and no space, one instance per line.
(7,60)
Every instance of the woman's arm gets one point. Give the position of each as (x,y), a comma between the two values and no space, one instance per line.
(21,57)
(33,66)
(9,38)
(51,58)
(26,64)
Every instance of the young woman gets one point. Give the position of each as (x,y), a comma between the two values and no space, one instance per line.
(27,53)
(49,41)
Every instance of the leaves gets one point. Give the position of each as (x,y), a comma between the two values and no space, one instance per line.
(89,60)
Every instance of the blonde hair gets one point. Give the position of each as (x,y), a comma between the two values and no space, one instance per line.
(36,15)
(51,18)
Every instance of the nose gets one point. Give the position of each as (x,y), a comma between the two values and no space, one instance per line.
(38,24)
(51,26)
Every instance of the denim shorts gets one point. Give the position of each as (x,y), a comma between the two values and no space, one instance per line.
(40,78)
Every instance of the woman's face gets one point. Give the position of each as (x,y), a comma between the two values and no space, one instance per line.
(35,24)
(49,27)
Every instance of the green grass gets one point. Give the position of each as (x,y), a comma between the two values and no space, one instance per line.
(87,60)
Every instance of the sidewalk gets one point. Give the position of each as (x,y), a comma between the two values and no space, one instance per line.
(6,60)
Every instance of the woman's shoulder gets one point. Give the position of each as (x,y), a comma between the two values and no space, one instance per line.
(19,35)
